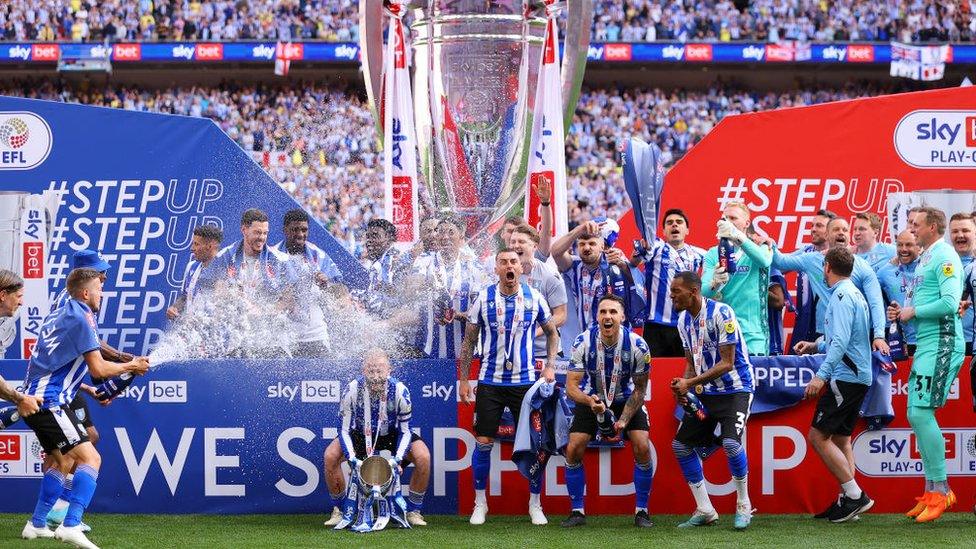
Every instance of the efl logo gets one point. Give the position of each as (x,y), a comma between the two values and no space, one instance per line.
(698,52)
(617,52)
(10,447)
(25,140)
(33,260)
(209,52)
(860,53)
(320,391)
(970,131)
(127,52)
(45,52)
(167,392)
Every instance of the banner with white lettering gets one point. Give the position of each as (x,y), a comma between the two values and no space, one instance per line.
(33,239)
(132,186)
(547,151)
(400,199)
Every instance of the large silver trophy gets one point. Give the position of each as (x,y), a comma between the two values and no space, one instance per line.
(475,68)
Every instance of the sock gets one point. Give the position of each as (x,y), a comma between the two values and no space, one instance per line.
(931,445)
(929,486)
(575,484)
(642,484)
(535,499)
(86,478)
(742,490)
(338,500)
(481,464)
(51,486)
(415,500)
(851,489)
(66,492)
(479,497)
(691,466)
(737,457)
(941,486)
(702,501)
(535,485)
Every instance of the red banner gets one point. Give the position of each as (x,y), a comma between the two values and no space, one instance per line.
(785,473)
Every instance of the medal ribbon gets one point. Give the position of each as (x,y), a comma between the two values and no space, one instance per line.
(505,327)
(372,439)
(595,340)
(698,339)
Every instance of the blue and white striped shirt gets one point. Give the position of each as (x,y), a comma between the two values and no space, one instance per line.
(663,261)
(385,280)
(315,257)
(57,367)
(635,360)
(352,415)
(588,286)
(720,329)
(506,339)
(459,283)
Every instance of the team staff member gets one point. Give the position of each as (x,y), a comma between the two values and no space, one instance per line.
(609,369)
(502,321)
(662,259)
(718,369)
(11,298)
(61,359)
(896,282)
(962,234)
(377,395)
(934,309)
(865,232)
(805,323)
(846,372)
(537,274)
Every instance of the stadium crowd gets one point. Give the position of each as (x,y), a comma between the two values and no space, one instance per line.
(614,20)
(332,166)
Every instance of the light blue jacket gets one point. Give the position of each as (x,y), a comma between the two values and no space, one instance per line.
(847,339)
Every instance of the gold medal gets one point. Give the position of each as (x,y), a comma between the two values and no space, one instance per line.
(699,389)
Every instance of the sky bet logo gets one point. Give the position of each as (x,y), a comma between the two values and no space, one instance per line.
(937,139)
(314,390)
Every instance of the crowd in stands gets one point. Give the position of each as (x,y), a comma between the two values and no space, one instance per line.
(614,20)
(333,166)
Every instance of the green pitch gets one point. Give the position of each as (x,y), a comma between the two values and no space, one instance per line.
(288,531)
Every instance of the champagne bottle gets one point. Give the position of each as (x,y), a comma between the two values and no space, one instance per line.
(8,416)
(113,387)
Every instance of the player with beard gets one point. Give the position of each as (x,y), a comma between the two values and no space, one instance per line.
(68,350)
(250,262)
(609,369)
(863,276)
(866,232)
(204,246)
(662,259)
(309,271)
(538,275)
(365,431)
(502,322)
(451,281)
(896,283)
(962,234)
(386,266)
(934,305)
(719,371)
(805,323)
(745,290)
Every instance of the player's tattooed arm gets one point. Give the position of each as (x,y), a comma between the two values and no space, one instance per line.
(8,393)
(471,330)
(636,399)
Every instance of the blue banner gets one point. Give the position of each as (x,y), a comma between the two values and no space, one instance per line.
(229,436)
(348,52)
(133,186)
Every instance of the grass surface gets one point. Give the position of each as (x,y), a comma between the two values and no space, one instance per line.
(799,532)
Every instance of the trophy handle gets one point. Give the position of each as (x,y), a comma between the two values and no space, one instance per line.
(576,44)
(371,18)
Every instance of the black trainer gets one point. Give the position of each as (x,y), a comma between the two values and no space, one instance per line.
(575,518)
(849,508)
(641,520)
(829,510)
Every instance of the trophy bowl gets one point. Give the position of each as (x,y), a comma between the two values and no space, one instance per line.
(475,67)
(375,473)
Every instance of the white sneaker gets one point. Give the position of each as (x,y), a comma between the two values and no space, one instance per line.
(416,519)
(479,513)
(32,532)
(538,517)
(335,518)
(74,536)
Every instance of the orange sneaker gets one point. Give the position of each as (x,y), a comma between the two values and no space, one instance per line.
(950,499)
(937,504)
(920,506)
